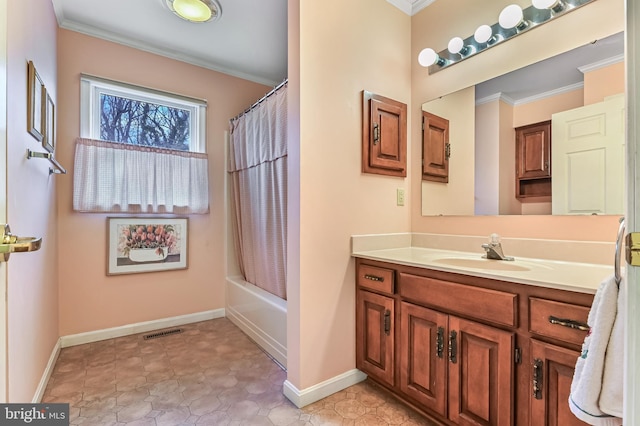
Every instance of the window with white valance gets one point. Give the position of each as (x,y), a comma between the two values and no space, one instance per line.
(141,151)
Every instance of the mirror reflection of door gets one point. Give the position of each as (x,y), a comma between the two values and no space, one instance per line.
(588,159)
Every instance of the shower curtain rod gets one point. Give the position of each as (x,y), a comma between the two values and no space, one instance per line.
(256,103)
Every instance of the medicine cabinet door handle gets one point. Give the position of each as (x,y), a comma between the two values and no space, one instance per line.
(376,133)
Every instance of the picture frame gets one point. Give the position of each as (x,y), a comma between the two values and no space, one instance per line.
(49,116)
(35,102)
(130,248)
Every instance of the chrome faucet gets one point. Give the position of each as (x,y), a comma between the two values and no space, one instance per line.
(494,249)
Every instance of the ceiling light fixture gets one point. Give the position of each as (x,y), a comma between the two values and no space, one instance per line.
(512,21)
(196,10)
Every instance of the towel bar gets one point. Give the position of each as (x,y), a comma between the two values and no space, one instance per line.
(58,167)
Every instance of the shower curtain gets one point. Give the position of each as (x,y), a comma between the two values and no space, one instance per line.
(258,168)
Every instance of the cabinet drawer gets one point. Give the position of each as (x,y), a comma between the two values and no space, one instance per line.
(495,306)
(558,320)
(375,278)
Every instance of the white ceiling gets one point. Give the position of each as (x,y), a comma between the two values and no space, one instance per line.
(553,75)
(248,41)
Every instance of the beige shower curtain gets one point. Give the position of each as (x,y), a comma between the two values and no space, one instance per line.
(258,168)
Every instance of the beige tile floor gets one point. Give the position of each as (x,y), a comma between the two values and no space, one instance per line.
(210,374)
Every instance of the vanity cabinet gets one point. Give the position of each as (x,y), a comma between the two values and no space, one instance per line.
(467,350)
(533,162)
(375,351)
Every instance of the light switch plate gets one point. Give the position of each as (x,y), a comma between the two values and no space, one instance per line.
(400,197)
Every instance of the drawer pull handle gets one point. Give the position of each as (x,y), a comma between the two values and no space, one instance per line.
(537,378)
(373,278)
(440,342)
(453,347)
(387,322)
(576,325)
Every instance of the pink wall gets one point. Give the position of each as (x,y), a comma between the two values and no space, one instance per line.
(31,198)
(603,82)
(89,299)
(333,199)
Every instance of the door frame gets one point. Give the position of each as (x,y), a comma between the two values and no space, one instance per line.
(4,370)
(630,290)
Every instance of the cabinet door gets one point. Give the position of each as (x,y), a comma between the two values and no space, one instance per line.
(423,356)
(533,150)
(552,370)
(481,374)
(435,148)
(374,336)
(384,135)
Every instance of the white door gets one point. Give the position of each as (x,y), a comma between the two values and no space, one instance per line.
(3,196)
(587,156)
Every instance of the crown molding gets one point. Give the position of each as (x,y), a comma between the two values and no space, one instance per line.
(601,64)
(411,7)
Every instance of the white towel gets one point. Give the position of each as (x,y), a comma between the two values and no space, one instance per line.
(612,380)
(588,380)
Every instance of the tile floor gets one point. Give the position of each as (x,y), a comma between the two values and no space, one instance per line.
(210,374)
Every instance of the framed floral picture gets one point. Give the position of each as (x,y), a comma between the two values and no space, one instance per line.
(146,244)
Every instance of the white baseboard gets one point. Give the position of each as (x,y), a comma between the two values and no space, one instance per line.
(141,327)
(322,390)
(42,386)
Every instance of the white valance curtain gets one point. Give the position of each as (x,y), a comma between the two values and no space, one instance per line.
(258,169)
(114,177)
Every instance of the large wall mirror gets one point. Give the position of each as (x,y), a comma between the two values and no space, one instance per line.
(579,94)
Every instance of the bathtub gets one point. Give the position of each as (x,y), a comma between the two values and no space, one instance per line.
(260,314)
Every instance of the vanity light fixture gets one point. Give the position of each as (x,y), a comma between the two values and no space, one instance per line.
(197,11)
(512,21)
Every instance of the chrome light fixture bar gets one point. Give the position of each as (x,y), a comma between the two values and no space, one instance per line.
(512,21)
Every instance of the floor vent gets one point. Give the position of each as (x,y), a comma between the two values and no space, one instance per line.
(162,333)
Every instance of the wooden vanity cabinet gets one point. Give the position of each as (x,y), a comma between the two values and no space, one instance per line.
(464,348)
(375,312)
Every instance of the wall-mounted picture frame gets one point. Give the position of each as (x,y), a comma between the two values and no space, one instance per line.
(49,136)
(146,244)
(35,102)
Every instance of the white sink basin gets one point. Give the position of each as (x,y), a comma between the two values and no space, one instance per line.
(495,265)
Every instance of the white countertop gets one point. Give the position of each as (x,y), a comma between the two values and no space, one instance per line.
(572,276)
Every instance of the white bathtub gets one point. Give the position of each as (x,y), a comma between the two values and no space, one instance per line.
(260,314)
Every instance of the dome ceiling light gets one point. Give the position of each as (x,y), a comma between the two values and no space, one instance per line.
(195,10)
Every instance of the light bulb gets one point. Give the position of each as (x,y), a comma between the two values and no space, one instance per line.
(483,34)
(512,17)
(555,5)
(455,45)
(192,10)
(428,57)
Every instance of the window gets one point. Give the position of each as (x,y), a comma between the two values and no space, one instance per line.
(124,113)
(140,151)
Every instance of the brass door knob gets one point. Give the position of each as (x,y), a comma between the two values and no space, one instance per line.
(10,243)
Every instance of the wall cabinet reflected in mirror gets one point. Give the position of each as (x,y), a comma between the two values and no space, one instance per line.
(484,179)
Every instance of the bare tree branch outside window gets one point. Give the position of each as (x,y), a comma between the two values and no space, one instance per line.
(143,123)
